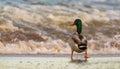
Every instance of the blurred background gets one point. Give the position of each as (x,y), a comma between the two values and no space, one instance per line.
(44,26)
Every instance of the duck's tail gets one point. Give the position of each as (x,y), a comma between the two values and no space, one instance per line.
(82,46)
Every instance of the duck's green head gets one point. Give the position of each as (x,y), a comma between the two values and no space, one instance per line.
(78,24)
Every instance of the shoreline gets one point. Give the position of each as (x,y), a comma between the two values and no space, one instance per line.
(58,55)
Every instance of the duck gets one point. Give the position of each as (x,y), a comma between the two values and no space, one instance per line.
(79,41)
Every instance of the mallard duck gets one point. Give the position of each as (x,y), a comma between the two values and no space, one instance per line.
(80,41)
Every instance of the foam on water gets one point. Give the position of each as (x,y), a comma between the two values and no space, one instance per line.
(42,26)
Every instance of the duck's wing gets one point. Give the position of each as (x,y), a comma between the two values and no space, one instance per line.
(76,39)
(79,39)
(83,40)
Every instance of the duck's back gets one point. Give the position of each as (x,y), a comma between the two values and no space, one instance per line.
(80,43)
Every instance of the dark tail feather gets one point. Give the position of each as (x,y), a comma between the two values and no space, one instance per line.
(82,46)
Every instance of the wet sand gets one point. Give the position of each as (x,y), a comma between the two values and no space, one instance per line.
(59,62)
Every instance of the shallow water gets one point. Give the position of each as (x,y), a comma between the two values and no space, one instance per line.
(44,26)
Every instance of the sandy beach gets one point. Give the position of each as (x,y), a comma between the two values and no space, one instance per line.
(59,62)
